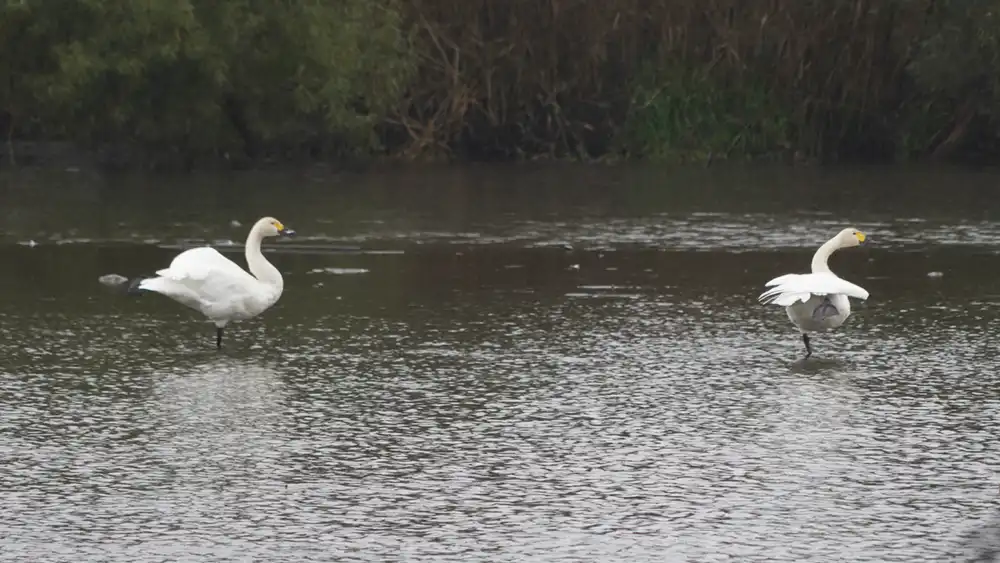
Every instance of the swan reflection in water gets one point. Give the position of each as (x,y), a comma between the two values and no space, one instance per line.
(215,416)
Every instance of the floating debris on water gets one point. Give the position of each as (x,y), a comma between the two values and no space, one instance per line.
(338,271)
(114,281)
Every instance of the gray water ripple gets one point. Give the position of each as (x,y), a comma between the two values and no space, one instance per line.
(446,406)
(736,232)
(458,462)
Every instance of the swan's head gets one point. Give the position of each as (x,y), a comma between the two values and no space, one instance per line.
(850,237)
(271,227)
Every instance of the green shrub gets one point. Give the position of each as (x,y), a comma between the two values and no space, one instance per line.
(679,115)
(203,75)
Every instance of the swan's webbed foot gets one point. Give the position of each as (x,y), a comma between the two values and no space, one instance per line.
(805,338)
(824,310)
(218,337)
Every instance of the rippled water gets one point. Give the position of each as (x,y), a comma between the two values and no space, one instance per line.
(553,364)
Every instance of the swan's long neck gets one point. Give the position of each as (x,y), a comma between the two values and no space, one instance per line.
(258,265)
(819,262)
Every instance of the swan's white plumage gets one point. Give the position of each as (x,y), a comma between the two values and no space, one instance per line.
(207,281)
(793,288)
(818,301)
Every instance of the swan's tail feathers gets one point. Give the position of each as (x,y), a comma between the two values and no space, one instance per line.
(173,289)
(158,284)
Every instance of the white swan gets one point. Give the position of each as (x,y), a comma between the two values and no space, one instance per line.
(818,301)
(207,281)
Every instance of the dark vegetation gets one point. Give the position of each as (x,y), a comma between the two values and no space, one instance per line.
(183,82)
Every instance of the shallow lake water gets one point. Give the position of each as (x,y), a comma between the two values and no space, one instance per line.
(521,363)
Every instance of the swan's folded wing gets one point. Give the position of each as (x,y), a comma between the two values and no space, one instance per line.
(203,263)
(202,274)
(792,288)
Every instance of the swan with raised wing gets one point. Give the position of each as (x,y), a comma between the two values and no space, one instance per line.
(208,282)
(817,302)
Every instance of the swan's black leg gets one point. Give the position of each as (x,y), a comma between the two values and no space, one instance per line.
(218,337)
(805,338)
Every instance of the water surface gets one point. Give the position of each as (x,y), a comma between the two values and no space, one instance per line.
(502,364)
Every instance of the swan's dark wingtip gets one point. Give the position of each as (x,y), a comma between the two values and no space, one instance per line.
(133,285)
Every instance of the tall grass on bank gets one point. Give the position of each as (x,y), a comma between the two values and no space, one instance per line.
(684,116)
(830,79)
(184,80)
